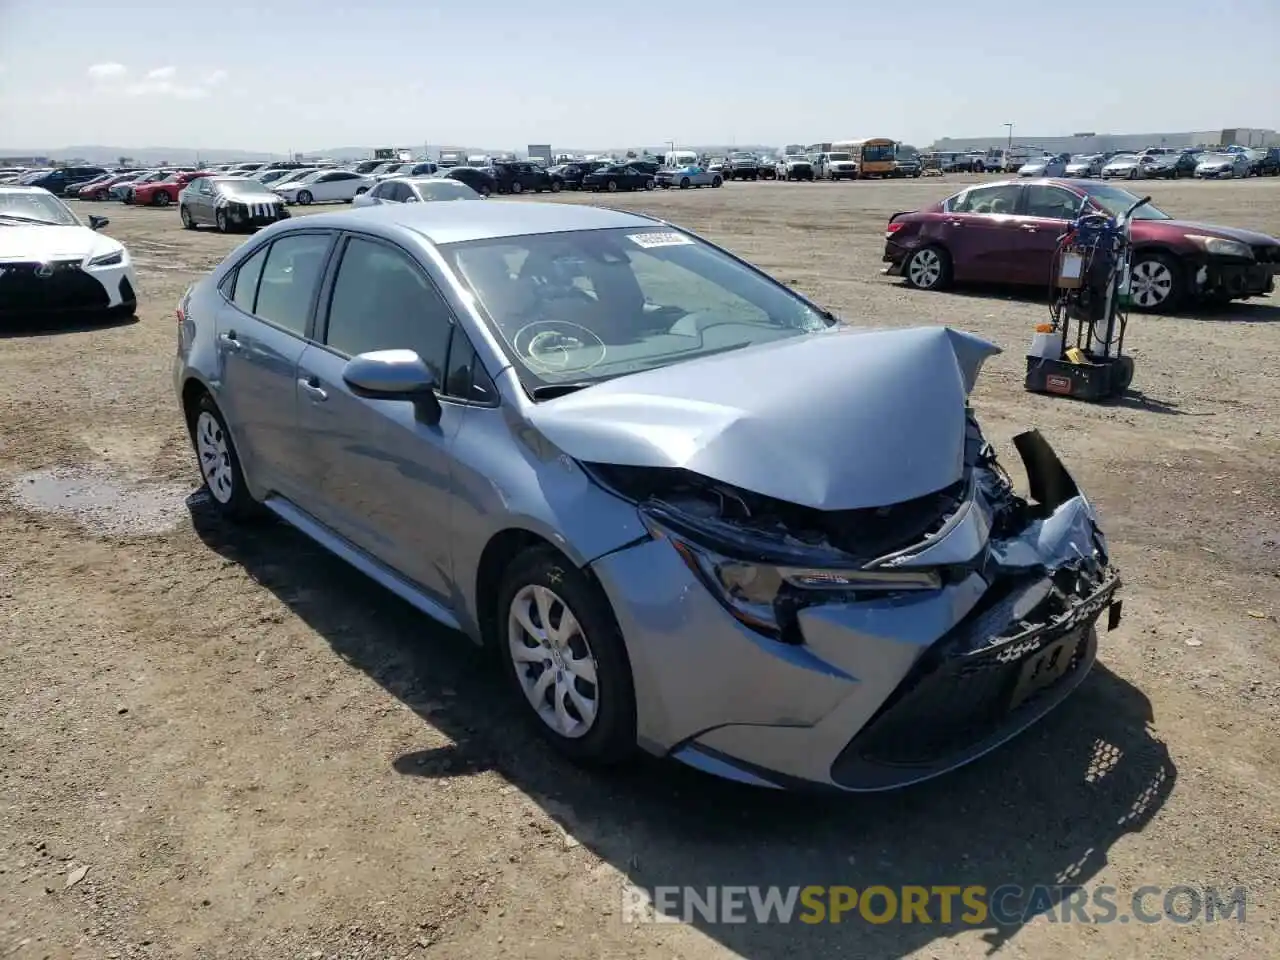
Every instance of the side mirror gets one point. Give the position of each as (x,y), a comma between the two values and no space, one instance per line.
(394,375)
(97,223)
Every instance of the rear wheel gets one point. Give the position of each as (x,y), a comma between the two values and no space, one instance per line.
(221,220)
(100,195)
(684,183)
(161,199)
(305,197)
(556,186)
(929,268)
(612,186)
(716,181)
(219,463)
(517,186)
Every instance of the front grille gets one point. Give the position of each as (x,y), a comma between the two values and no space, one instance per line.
(967,687)
(1267,253)
(66,288)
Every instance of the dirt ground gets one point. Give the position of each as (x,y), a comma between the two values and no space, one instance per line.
(259,754)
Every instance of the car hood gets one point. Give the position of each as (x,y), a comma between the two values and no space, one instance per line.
(1118,164)
(1251,237)
(52,243)
(841,420)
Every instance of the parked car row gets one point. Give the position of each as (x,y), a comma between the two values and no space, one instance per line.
(1158,163)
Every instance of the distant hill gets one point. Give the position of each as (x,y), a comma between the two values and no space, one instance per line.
(155,156)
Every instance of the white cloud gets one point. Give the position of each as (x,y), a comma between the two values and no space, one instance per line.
(107,71)
(215,78)
(165,88)
(161,73)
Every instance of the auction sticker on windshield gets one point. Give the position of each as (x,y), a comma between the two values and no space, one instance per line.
(651,240)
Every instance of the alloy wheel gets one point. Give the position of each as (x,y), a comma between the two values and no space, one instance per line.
(1150,283)
(925,269)
(553,661)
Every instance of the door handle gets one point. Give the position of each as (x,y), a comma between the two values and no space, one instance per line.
(313,389)
(1028,227)
(955,223)
(229,338)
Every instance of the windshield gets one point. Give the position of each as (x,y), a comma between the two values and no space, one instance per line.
(879,151)
(23,205)
(240,187)
(1116,201)
(797,156)
(307,177)
(840,156)
(1125,158)
(585,306)
(445,190)
(1218,158)
(33,176)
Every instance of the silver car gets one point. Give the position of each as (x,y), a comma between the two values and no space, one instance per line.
(1084,166)
(590,440)
(1214,166)
(415,190)
(1044,167)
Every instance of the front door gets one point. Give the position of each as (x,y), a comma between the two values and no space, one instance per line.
(381,477)
(1045,213)
(261,330)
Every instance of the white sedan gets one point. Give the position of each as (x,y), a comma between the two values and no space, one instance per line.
(325,186)
(51,263)
(415,190)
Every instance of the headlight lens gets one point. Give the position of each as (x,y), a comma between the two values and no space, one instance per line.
(108,259)
(1222,247)
(763,596)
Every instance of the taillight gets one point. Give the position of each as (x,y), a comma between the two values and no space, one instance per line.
(891,229)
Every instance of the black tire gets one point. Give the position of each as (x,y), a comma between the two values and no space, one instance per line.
(305,197)
(161,199)
(233,502)
(517,186)
(188,221)
(649,184)
(1121,375)
(612,186)
(220,220)
(100,195)
(485,190)
(360,190)
(716,182)
(684,183)
(928,268)
(611,738)
(556,186)
(1176,281)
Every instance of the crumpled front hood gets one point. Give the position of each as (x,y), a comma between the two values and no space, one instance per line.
(834,421)
(38,243)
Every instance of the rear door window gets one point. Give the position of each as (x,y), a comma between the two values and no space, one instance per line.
(289,280)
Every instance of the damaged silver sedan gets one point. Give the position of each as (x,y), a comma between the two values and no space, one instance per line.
(691,512)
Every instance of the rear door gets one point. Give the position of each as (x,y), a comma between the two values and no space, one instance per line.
(379,476)
(262,329)
(980,230)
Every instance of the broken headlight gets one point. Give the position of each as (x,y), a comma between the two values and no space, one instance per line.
(765,596)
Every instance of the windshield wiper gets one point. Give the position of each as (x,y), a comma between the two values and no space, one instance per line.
(21,219)
(549,391)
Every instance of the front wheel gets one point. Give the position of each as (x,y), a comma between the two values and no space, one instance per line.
(305,197)
(716,181)
(556,186)
(485,190)
(220,219)
(929,268)
(517,187)
(562,651)
(648,184)
(612,186)
(187,220)
(1155,282)
(684,183)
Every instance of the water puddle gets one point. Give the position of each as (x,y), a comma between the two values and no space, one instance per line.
(101,500)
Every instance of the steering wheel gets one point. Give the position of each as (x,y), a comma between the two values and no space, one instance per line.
(558,346)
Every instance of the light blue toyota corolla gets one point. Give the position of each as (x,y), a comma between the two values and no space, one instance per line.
(693,513)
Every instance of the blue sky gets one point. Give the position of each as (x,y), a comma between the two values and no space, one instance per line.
(284,74)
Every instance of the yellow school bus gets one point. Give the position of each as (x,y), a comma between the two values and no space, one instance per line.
(875,156)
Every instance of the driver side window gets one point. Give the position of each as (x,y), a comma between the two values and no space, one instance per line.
(382,300)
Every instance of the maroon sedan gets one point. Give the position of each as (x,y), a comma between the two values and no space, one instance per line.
(1008,232)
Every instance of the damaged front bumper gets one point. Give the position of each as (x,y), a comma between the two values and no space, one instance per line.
(878,690)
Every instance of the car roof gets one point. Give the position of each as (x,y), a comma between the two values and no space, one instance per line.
(22,188)
(458,223)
